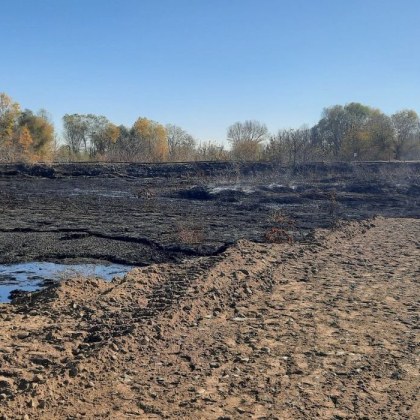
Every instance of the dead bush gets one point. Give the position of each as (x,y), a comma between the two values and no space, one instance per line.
(190,235)
(277,235)
(284,229)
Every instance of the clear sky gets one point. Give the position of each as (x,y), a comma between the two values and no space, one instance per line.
(205,64)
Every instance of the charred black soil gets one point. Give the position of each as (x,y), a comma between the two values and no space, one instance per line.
(320,325)
(141,214)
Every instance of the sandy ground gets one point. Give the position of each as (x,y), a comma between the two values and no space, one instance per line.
(324,329)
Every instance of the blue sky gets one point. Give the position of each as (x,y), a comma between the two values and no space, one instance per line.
(205,64)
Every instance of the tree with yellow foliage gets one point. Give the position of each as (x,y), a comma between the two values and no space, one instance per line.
(150,142)
(42,134)
(103,139)
(25,142)
(9,112)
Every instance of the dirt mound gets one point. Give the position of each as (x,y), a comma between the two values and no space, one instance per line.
(325,328)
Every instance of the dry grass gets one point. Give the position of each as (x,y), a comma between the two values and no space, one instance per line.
(190,235)
(284,228)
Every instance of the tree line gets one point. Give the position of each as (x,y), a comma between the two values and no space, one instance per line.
(344,132)
(24,135)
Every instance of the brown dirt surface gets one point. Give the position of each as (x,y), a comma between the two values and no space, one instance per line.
(322,329)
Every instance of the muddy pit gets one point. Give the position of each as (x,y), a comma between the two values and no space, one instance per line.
(32,276)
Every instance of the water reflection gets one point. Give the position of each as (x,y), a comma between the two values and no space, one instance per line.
(31,276)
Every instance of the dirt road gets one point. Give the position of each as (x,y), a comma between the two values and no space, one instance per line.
(322,329)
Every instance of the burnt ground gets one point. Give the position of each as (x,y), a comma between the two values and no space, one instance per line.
(325,326)
(141,214)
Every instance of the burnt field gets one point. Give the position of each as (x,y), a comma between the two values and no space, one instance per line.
(321,324)
(141,214)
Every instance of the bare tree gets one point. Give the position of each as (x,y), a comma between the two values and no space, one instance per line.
(246,139)
(181,144)
(211,151)
(291,146)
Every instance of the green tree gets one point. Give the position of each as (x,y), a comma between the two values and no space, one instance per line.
(105,138)
(354,131)
(380,135)
(330,131)
(406,124)
(76,129)
(102,135)
(89,134)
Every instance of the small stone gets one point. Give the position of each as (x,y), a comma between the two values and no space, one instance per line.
(214,365)
(39,379)
(73,371)
(114,357)
(5,385)
(145,340)
(115,347)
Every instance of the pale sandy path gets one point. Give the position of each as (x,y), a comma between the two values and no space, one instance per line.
(321,330)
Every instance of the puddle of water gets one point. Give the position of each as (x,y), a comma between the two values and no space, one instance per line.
(30,276)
